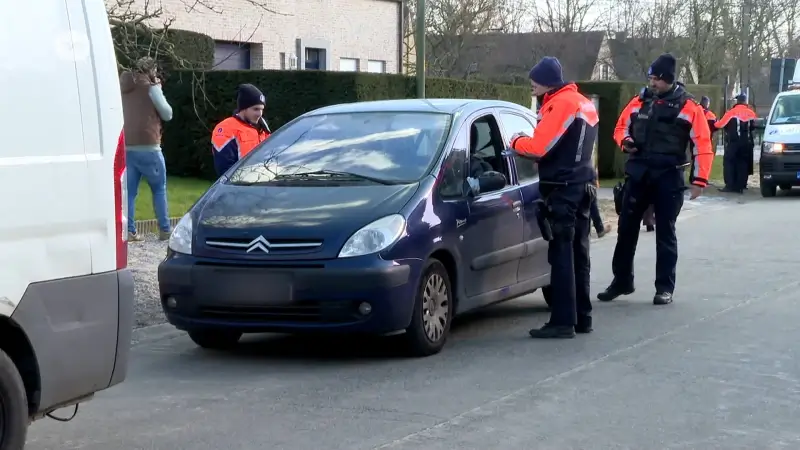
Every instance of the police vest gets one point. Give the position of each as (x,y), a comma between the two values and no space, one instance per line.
(658,128)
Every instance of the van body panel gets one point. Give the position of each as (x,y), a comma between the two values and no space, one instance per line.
(61,108)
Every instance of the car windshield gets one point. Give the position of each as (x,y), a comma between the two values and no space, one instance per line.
(786,111)
(384,147)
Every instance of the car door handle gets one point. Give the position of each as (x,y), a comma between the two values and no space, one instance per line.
(517,205)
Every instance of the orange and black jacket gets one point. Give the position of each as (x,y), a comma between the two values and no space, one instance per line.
(711,118)
(232,139)
(661,127)
(564,137)
(738,125)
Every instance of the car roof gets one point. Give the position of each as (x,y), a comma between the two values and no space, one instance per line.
(431,105)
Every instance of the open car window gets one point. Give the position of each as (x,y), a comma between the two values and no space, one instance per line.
(388,146)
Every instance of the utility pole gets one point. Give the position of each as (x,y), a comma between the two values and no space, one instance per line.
(419,42)
(744,57)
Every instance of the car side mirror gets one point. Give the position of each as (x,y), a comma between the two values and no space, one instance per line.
(491,181)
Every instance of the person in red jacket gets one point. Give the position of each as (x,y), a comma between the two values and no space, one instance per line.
(655,129)
(238,135)
(563,146)
(739,142)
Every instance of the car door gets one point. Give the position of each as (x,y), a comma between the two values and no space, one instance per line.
(533,266)
(491,237)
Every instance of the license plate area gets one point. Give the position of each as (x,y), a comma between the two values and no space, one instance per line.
(243,286)
(798,175)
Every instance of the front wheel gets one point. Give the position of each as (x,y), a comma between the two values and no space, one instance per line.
(215,339)
(768,189)
(13,406)
(433,312)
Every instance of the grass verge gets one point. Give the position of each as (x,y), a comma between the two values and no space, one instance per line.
(181,195)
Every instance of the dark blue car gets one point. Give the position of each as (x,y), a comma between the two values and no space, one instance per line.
(382,217)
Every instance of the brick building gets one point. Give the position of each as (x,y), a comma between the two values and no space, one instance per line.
(347,35)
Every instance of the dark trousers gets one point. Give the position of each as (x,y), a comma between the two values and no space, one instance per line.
(736,167)
(568,252)
(664,190)
(597,219)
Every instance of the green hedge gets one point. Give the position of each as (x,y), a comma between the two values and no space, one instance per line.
(202,99)
(614,95)
(174,49)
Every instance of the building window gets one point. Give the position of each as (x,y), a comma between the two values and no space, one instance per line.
(231,55)
(605,72)
(348,65)
(282,58)
(376,66)
(315,59)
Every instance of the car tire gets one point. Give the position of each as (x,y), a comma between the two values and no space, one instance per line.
(768,189)
(13,406)
(785,187)
(432,313)
(547,293)
(215,339)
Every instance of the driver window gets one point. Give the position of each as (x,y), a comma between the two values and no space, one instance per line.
(486,148)
(515,123)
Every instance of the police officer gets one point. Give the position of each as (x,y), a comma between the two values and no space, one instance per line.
(655,129)
(563,145)
(739,143)
(711,118)
(238,135)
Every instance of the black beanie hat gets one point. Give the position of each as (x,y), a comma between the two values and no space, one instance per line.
(705,102)
(664,67)
(547,72)
(248,95)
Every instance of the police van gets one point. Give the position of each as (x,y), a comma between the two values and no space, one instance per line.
(66,297)
(779,164)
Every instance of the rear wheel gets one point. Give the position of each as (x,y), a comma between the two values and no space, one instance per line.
(433,312)
(13,406)
(215,339)
(768,189)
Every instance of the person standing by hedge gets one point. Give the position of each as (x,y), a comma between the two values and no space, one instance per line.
(236,136)
(144,107)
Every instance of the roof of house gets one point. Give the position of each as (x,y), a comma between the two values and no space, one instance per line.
(506,56)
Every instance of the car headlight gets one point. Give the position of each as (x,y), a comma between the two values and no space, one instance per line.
(180,241)
(772,147)
(374,237)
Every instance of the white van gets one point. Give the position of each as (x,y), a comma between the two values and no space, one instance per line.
(779,164)
(66,297)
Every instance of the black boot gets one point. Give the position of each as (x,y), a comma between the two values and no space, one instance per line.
(553,332)
(614,291)
(584,325)
(662,298)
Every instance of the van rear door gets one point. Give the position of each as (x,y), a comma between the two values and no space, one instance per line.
(101,113)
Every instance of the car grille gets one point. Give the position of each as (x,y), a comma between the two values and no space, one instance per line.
(791,147)
(261,245)
(791,166)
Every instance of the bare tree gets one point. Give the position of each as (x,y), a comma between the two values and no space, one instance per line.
(568,16)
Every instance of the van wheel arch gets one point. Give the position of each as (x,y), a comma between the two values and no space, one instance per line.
(16,345)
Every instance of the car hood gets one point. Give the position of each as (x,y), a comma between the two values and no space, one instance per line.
(289,220)
(783,133)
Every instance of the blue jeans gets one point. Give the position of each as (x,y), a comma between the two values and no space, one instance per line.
(150,166)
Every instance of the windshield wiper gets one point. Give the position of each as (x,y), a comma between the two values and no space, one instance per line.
(335,173)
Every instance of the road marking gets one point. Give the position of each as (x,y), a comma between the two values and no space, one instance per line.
(491,406)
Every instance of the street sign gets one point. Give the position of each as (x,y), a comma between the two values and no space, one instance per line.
(781,71)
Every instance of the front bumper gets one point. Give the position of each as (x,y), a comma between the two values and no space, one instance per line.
(307,296)
(780,168)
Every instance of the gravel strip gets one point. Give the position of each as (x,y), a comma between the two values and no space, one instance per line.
(143,260)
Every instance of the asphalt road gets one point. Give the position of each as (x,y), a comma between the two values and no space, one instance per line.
(718,369)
